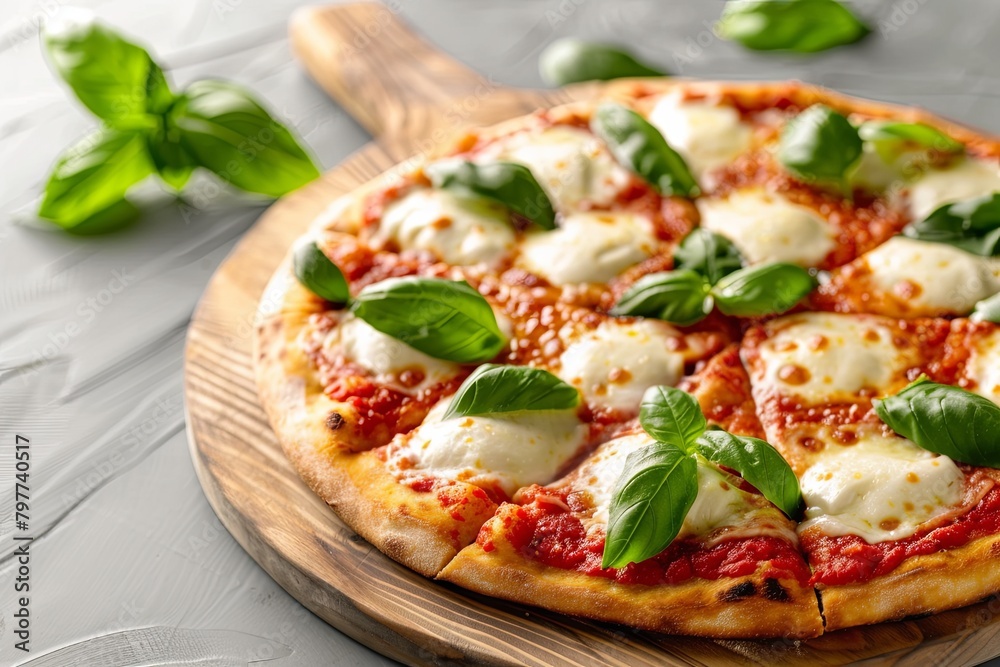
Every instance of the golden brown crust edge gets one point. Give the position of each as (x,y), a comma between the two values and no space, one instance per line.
(722,608)
(923,584)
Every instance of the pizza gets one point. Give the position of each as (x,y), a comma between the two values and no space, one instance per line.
(698,358)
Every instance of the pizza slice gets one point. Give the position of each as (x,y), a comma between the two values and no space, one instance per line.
(891,529)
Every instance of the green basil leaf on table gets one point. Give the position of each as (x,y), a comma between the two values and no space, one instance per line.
(804,26)
(114,78)
(708,254)
(572,60)
(507,183)
(649,502)
(672,415)
(889,134)
(679,297)
(945,420)
(820,145)
(496,389)
(987,310)
(90,180)
(444,319)
(972,225)
(767,289)
(319,274)
(758,463)
(229,133)
(640,147)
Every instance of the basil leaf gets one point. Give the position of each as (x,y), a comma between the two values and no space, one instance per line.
(573,60)
(987,310)
(672,415)
(640,147)
(318,274)
(679,297)
(92,177)
(649,502)
(820,145)
(758,462)
(945,420)
(804,26)
(972,225)
(495,389)
(442,318)
(508,183)
(767,289)
(709,254)
(229,133)
(889,133)
(114,78)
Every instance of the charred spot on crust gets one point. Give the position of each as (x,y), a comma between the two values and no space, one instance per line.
(739,591)
(334,420)
(773,591)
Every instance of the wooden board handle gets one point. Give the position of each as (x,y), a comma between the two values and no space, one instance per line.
(377,68)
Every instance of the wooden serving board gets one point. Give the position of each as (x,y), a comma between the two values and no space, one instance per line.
(410,96)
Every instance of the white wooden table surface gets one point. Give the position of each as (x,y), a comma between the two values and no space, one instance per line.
(129,565)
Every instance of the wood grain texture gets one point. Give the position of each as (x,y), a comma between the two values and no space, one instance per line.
(400,88)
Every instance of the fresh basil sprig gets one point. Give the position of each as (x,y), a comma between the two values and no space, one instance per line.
(659,483)
(446,319)
(987,310)
(151,130)
(762,290)
(804,26)
(889,137)
(710,254)
(679,297)
(972,225)
(318,274)
(945,420)
(820,145)
(639,146)
(572,60)
(507,183)
(496,389)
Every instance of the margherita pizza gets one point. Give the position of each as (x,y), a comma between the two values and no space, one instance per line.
(700,358)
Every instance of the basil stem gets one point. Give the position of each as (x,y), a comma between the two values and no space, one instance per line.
(507,183)
(640,147)
(972,225)
(803,26)
(572,60)
(678,297)
(707,253)
(820,145)
(768,289)
(318,274)
(495,389)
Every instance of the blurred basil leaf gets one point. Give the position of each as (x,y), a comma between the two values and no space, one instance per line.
(572,60)
(804,26)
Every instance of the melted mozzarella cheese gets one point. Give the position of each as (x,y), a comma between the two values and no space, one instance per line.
(984,366)
(384,356)
(571,164)
(933,278)
(615,363)
(706,135)
(767,227)
(965,180)
(457,230)
(587,247)
(879,488)
(512,450)
(823,357)
(718,503)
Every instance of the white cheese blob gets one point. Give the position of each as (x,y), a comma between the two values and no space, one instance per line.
(717,505)
(967,179)
(587,247)
(458,231)
(933,278)
(984,366)
(615,363)
(571,164)
(383,356)
(879,488)
(766,227)
(826,357)
(706,135)
(511,450)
